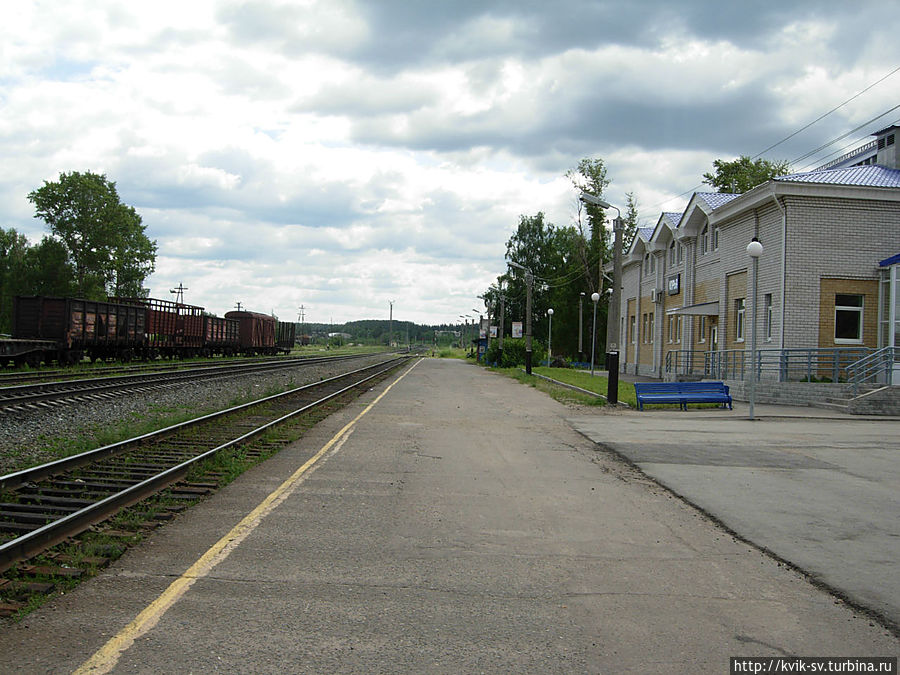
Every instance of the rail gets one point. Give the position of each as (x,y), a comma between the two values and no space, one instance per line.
(877,366)
(99,482)
(780,365)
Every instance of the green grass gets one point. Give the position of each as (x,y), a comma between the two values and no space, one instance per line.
(597,384)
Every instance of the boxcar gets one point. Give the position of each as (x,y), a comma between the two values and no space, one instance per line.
(256,332)
(72,328)
(285,335)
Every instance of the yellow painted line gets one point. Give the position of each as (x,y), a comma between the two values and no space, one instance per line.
(106,658)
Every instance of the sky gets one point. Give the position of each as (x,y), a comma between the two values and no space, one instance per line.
(341,155)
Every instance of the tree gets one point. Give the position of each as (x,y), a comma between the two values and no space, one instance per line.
(743,174)
(631,220)
(13,251)
(103,238)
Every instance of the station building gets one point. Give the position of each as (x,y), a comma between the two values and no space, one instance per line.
(828,278)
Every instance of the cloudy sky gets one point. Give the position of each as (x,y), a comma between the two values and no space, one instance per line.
(340,154)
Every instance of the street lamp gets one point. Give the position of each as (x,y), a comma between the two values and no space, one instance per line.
(595,297)
(549,337)
(754,250)
(612,321)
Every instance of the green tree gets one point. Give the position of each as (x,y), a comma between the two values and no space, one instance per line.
(47,270)
(631,220)
(13,252)
(104,239)
(743,174)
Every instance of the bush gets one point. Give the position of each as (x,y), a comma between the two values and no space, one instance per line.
(514,353)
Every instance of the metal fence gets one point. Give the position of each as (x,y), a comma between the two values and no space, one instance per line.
(779,365)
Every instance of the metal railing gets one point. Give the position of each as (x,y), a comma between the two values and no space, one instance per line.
(780,365)
(876,367)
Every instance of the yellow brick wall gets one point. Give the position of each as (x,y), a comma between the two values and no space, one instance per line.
(736,287)
(828,288)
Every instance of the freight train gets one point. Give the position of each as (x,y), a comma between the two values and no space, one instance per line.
(66,330)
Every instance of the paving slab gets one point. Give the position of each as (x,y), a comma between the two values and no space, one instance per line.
(461,525)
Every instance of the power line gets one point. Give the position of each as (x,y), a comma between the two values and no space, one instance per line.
(821,117)
(804,128)
(843,136)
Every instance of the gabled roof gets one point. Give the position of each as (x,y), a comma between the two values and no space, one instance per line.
(716,199)
(673,217)
(645,232)
(872,175)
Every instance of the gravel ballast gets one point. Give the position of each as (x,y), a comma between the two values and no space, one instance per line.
(27,439)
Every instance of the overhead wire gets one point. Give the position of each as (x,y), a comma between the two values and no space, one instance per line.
(803,128)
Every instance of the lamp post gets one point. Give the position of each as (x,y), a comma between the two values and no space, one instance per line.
(550,337)
(754,250)
(595,297)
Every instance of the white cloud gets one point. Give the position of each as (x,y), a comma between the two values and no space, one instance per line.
(340,154)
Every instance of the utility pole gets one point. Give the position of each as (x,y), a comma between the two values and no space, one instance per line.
(238,306)
(391,325)
(179,297)
(302,317)
(613,320)
(500,336)
(580,331)
(529,280)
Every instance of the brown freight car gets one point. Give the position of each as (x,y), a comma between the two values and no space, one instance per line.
(67,329)
(173,328)
(257,332)
(220,336)
(285,336)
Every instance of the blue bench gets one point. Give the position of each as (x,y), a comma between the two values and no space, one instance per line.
(682,393)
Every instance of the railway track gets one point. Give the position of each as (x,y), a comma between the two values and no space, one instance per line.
(47,504)
(30,397)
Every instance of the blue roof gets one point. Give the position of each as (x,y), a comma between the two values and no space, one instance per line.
(716,199)
(675,218)
(893,260)
(872,175)
(646,232)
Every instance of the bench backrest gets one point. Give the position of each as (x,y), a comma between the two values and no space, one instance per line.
(680,387)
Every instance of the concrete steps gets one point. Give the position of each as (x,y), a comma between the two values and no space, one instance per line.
(871,400)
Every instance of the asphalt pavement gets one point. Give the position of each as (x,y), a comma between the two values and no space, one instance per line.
(455,522)
(818,489)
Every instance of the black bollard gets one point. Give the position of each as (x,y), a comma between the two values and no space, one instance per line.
(612,388)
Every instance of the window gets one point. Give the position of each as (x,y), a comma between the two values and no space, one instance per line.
(739,320)
(632,328)
(652,263)
(680,253)
(646,263)
(848,316)
(715,239)
(644,328)
(672,253)
(650,329)
(702,331)
(704,241)
(768,303)
(675,324)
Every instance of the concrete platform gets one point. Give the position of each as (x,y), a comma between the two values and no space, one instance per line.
(459,525)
